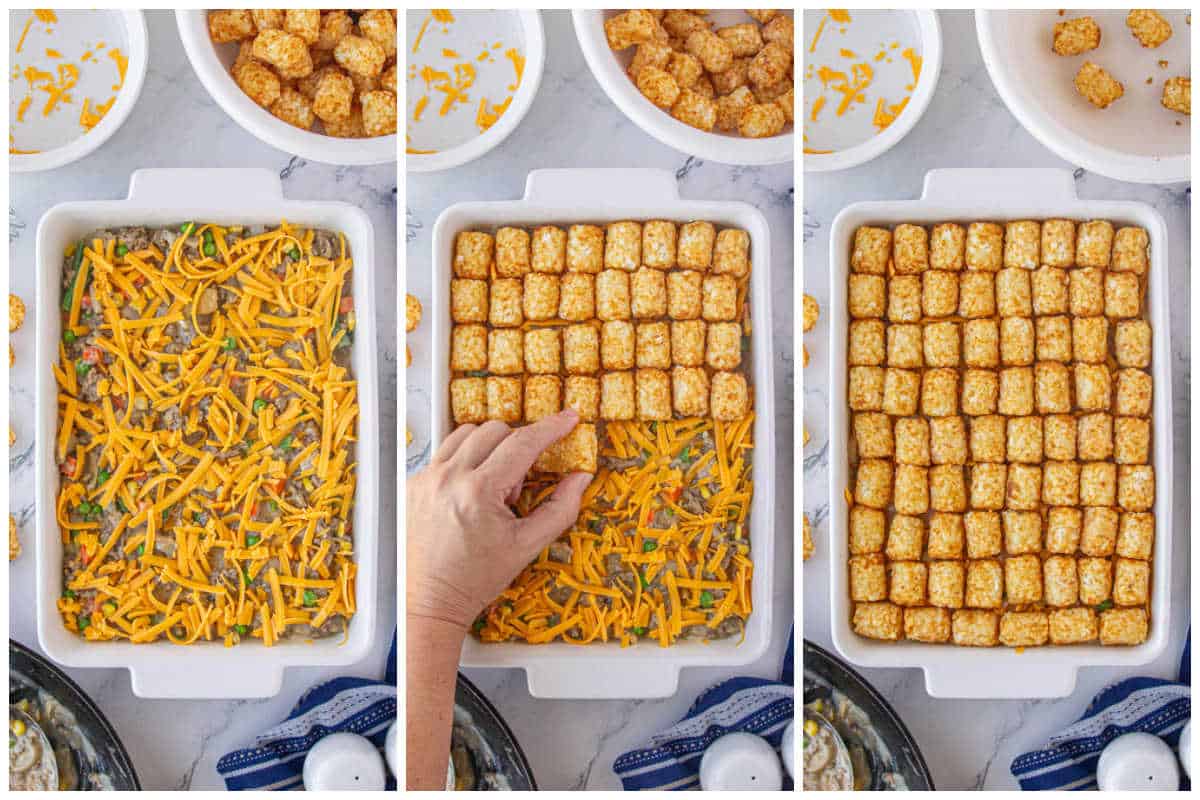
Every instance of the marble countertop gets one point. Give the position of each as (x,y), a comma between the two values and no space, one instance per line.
(967,125)
(175,744)
(572,744)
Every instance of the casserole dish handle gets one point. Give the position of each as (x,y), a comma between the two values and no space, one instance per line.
(564,187)
(204,187)
(221,681)
(609,680)
(999,680)
(1000,186)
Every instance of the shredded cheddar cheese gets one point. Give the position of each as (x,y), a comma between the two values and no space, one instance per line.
(205,426)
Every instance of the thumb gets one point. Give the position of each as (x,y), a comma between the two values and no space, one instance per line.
(555,515)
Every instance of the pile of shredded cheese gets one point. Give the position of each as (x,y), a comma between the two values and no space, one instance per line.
(708,580)
(454,80)
(214,492)
(52,89)
(849,87)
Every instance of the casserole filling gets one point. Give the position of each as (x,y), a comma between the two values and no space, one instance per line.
(206,422)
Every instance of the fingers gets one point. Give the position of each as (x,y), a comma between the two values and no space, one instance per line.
(554,516)
(451,443)
(516,454)
(475,449)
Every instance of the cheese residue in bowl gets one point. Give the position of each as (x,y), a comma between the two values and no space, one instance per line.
(53,81)
(460,82)
(857,83)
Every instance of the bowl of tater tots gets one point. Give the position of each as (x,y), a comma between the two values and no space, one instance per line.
(320,84)
(714,84)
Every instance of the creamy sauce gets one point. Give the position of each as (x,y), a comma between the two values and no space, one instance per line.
(823,770)
(31,766)
(71,748)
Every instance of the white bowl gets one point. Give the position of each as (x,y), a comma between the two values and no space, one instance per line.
(1135,139)
(212,62)
(609,69)
(135,46)
(534,47)
(930,35)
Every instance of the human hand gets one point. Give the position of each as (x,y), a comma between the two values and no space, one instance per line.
(465,544)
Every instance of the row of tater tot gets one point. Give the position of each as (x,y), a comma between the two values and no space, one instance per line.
(970,627)
(644,394)
(989,247)
(647,293)
(585,348)
(513,252)
(1008,292)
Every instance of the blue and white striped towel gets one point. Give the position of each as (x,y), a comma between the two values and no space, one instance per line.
(355,705)
(1150,705)
(671,759)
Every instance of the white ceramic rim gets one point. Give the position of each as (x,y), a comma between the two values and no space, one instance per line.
(531,79)
(193,31)
(127,97)
(931,68)
(1063,142)
(1000,672)
(589,29)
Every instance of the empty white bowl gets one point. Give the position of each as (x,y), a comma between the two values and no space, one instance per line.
(609,68)
(211,63)
(77,32)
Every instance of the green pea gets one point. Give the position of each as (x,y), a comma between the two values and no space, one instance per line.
(478,626)
(706,599)
(141,551)
(246,577)
(84,621)
(122,249)
(271,504)
(102,476)
(70,595)
(210,249)
(286,444)
(230,343)
(253,540)
(642,578)
(649,546)
(69,336)
(187,228)
(640,630)
(82,367)
(241,629)
(294,253)
(310,597)
(259,405)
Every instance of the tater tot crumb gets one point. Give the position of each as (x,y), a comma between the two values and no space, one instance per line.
(1097,86)
(1177,94)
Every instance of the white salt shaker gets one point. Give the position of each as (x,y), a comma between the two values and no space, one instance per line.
(740,761)
(343,761)
(1185,748)
(1137,762)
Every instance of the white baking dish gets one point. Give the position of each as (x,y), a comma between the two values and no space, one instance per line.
(563,197)
(967,195)
(231,196)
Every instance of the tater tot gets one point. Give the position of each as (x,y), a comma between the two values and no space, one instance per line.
(506,351)
(575,452)
(378,26)
(541,296)
(468,400)
(617,396)
(258,82)
(761,120)
(731,255)
(379,113)
(743,40)
(303,22)
(230,25)
(507,303)
(653,394)
(770,66)
(581,349)
(648,289)
(736,76)
(687,343)
(585,248)
(266,19)
(730,396)
(286,52)
(543,396)
(731,107)
(582,393)
(685,69)
(512,252)
(1097,86)
(695,109)
(689,391)
(658,244)
(696,240)
(617,345)
(543,351)
(629,28)
(654,345)
(335,25)
(612,295)
(780,31)
(504,399)
(359,55)
(468,348)
(657,86)
(387,80)
(714,53)
(293,108)
(335,96)
(650,54)
(349,128)
(548,249)
(623,246)
(577,297)
(787,103)
(724,348)
(681,24)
